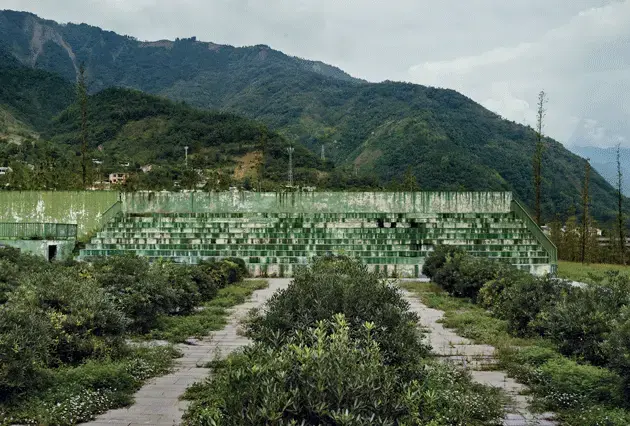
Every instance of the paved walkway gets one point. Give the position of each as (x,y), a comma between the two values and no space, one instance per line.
(157,402)
(476,358)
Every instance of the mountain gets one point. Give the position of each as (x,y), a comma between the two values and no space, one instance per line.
(128,126)
(604,160)
(376,131)
(29,98)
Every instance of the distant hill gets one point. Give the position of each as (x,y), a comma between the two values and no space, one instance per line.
(604,160)
(375,131)
(128,126)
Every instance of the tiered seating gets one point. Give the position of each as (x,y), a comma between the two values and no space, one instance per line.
(273,243)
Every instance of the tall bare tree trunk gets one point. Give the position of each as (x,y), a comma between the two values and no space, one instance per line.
(538,153)
(620,219)
(82,98)
(585,217)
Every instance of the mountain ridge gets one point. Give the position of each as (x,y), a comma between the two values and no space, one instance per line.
(448,141)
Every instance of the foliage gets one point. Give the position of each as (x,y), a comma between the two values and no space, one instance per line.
(323,376)
(595,272)
(341,286)
(464,276)
(437,258)
(64,326)
(210,316)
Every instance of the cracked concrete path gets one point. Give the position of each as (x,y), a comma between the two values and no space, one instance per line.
(157,402)
(479,359)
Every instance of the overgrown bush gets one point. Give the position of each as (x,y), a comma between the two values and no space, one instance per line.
(463,275)
(438,258)
(143,296)
(339,285)
(524,300)
(323,376)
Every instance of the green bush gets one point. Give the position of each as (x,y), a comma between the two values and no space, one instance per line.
(26,339)
(84,319)
(464,276)
(597,415)
(492,295)
(142,295)
(438,258)
(567,384)
(524,300)
(328,287)
(323,376)
(183,292)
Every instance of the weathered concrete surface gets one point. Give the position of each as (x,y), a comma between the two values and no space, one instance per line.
(81,207)
(40,247)
(157,402)
(476,358)
(317,202)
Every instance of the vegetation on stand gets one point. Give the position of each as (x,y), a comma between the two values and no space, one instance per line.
(338,346)
(64,330)
(569,344)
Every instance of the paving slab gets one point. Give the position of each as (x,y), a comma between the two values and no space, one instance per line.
(157,402)
(476,358)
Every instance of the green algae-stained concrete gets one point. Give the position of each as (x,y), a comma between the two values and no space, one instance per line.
(274,232)
(317,202)
(41,247)
(81,207)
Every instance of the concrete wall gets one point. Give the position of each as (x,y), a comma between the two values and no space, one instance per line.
(318,202)
(40,247)
(81,207)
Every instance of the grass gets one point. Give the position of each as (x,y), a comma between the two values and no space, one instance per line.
(587,272)
(212,315)
(580,394)
(69,395)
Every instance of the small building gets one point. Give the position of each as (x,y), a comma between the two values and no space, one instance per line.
(5,170)
(115,178)
(147,168)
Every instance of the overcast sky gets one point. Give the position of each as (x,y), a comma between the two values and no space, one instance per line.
(501,53)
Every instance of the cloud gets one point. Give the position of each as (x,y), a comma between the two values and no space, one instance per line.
(583,65)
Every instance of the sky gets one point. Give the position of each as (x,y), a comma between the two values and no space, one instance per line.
(501,53)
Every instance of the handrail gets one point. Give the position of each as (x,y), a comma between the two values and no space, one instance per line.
(38,231)
(112,212)
(538,233)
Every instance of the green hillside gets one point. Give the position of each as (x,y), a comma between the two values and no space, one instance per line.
(374,131)
(128,126)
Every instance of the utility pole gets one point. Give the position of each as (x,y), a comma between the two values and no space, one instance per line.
(186,156)
(290,151)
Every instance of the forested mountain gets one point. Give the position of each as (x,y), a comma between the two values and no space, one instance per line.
(28,98)
(376,130)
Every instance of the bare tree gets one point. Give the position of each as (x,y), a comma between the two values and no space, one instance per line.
(538,152)
(585,217)
(620,218)
(82,98)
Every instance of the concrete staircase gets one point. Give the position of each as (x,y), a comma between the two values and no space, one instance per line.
(273,243)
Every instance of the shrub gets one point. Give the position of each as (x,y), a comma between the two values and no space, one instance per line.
(323,376)
(26,338)
(464,276)
(525,299)
(438,258)
(183,293)
(328,287)
(567,384)
(141,295)
(492,295)
(84,319)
